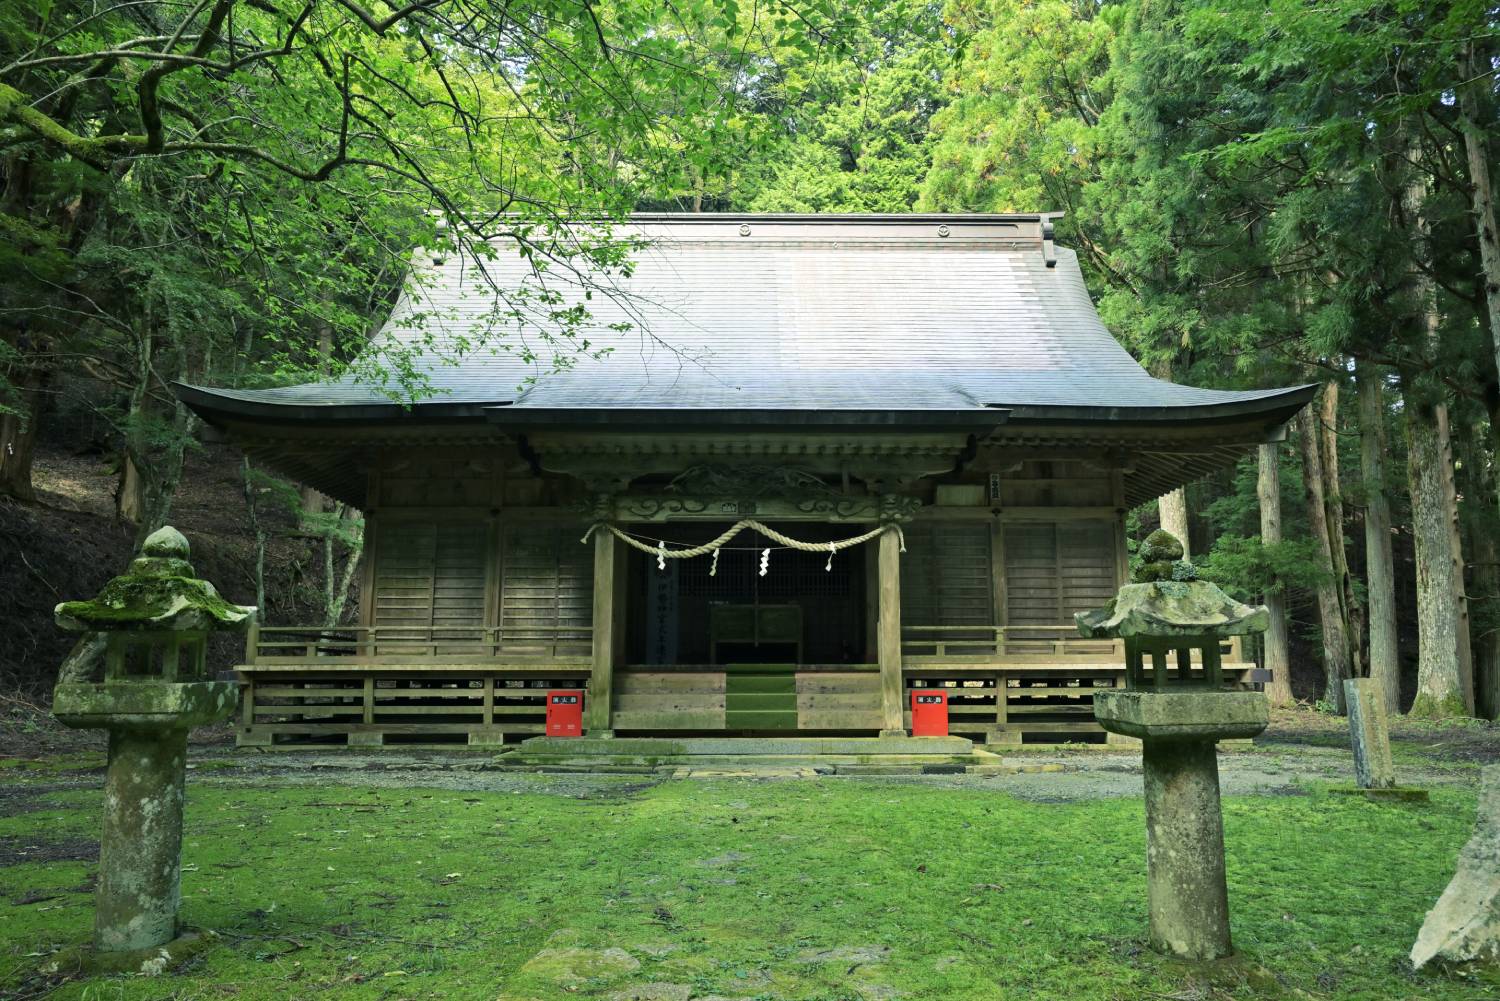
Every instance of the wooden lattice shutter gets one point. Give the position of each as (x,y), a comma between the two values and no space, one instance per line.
(547,587)
(458,590)
(1053,569)
(1086,565)
(946,575)
(1032,587)
(430,582)
(403,577)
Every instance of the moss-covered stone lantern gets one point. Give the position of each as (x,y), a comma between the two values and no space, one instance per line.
(148,690)
(1179,718)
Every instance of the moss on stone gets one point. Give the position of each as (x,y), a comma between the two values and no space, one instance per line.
(160,566)
(1160,554)
(1171,608)
(1161,545)
(1157,570)
(1184,570)
(166,541)
(151,601)
(572,967)
(159,591)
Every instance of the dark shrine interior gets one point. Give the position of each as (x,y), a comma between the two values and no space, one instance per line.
(694,612)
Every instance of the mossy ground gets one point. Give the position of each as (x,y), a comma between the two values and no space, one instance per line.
(831,889)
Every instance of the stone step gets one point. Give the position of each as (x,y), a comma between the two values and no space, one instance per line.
(741,747)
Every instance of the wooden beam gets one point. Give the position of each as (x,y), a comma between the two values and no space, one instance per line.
(1059,513)
(641,508)
(888,635)
(956,513)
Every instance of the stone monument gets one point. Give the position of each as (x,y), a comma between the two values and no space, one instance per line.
(1369,734)
(1463,927)
(147,689)
(1179,712)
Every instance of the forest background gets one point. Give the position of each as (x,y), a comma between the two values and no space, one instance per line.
(228,192)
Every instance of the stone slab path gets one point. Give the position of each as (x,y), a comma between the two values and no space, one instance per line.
(1054,777)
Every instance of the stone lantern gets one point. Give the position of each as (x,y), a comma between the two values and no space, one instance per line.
(152,624)
(1167,614)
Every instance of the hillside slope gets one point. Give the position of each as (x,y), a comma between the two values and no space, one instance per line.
(70,543)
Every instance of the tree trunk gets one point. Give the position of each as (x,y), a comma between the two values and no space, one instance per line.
(158,470)
(1456,535)
(18,436)
(338,596)
(252,510)
(1268,487)
(1481,191)
(1444,667)
(1380,564)
(1487,645)
(1174,517)
(156,433)
(1482,537)
(313,501)
(130,496)
(1333,502)
(1336,648)
(158,491)
(1439,688)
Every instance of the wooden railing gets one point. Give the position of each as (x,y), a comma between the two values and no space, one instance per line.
(415,644)
(1017,644)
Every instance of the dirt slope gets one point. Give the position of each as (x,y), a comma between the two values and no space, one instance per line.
(70,543)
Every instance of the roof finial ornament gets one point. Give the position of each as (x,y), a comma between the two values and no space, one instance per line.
(1049,248)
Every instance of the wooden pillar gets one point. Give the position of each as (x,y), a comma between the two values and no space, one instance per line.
(1122,546)
(247,702)
(606,621)
(888,636)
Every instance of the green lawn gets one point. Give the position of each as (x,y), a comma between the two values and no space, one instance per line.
(788,889)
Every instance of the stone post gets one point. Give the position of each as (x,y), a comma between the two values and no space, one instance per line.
(1185,887)
(1186,890)
(1370,734)
(140,851)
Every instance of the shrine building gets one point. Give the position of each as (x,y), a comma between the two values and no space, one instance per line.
(924,435)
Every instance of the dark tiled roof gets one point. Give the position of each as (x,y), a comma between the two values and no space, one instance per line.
(801,314)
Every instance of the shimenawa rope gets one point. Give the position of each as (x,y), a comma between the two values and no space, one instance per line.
(661,552)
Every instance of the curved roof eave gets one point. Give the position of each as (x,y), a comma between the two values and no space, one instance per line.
(262,407)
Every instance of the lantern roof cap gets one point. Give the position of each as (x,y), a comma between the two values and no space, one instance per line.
(1172,608)
(159,593)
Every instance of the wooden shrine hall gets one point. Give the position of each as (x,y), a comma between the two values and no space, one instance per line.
(820,461)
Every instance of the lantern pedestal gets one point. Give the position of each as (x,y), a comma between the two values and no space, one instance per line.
(1185,885)
(140,848)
